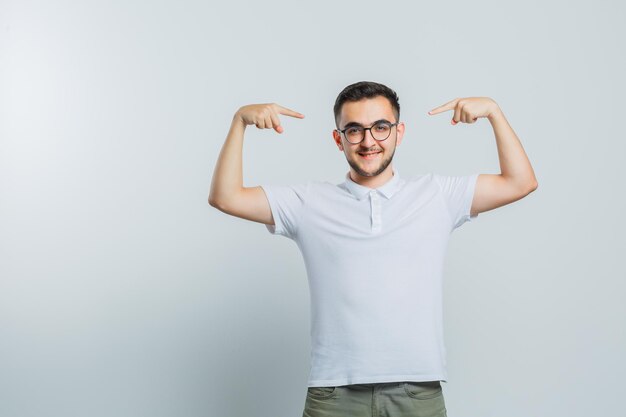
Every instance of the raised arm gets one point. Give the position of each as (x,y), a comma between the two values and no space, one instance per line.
(227,192)
(517,178)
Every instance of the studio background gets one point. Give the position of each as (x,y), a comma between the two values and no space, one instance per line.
(123,293)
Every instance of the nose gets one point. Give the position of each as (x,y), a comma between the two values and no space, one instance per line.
(368,140)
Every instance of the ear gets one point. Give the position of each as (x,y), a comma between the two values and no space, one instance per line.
(337,138)
(400,128)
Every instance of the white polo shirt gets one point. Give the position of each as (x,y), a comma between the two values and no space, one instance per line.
(374,260)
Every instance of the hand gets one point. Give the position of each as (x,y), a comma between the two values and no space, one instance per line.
(265,116)
(468,110)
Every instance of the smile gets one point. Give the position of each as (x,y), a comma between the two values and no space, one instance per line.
(369,155)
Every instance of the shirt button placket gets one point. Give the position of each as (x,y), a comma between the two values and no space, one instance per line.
(375,210)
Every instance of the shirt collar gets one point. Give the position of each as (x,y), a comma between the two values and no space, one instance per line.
(388,189)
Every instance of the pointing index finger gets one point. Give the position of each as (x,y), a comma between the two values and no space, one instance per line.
(444,107)
(289,112)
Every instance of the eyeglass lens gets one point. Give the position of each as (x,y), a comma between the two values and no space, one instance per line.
(380,131)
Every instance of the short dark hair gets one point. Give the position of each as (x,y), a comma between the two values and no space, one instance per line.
(366,89)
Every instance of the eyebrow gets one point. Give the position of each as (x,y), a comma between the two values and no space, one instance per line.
(351,124)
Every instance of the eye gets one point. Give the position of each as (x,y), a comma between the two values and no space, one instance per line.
(353,130)
(381,127)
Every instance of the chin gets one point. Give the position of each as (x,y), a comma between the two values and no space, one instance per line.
(360,166)
(373,172)
(369,172)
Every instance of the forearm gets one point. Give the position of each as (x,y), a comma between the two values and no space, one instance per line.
(228,173)
(514,164)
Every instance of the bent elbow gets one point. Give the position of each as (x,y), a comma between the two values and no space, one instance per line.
(213,202)
(533,186)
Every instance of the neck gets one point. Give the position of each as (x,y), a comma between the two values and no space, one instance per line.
(372,182)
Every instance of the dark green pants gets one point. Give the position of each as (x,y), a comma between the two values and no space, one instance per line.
(389,399)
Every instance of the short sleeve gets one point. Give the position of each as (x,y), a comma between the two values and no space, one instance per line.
(286,203)
(458,193)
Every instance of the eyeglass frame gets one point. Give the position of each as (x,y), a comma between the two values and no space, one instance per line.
(391,125)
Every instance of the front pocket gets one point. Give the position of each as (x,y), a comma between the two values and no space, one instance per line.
(321,392)
(423,390)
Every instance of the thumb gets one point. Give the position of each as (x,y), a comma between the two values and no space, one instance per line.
(278,128)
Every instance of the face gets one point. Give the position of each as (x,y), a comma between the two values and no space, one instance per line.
(366,112)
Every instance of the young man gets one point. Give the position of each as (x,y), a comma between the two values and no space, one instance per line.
(374,248)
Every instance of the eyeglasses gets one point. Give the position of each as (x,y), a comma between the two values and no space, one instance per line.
(379,131)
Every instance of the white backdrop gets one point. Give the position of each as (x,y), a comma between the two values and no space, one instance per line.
(123,293)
